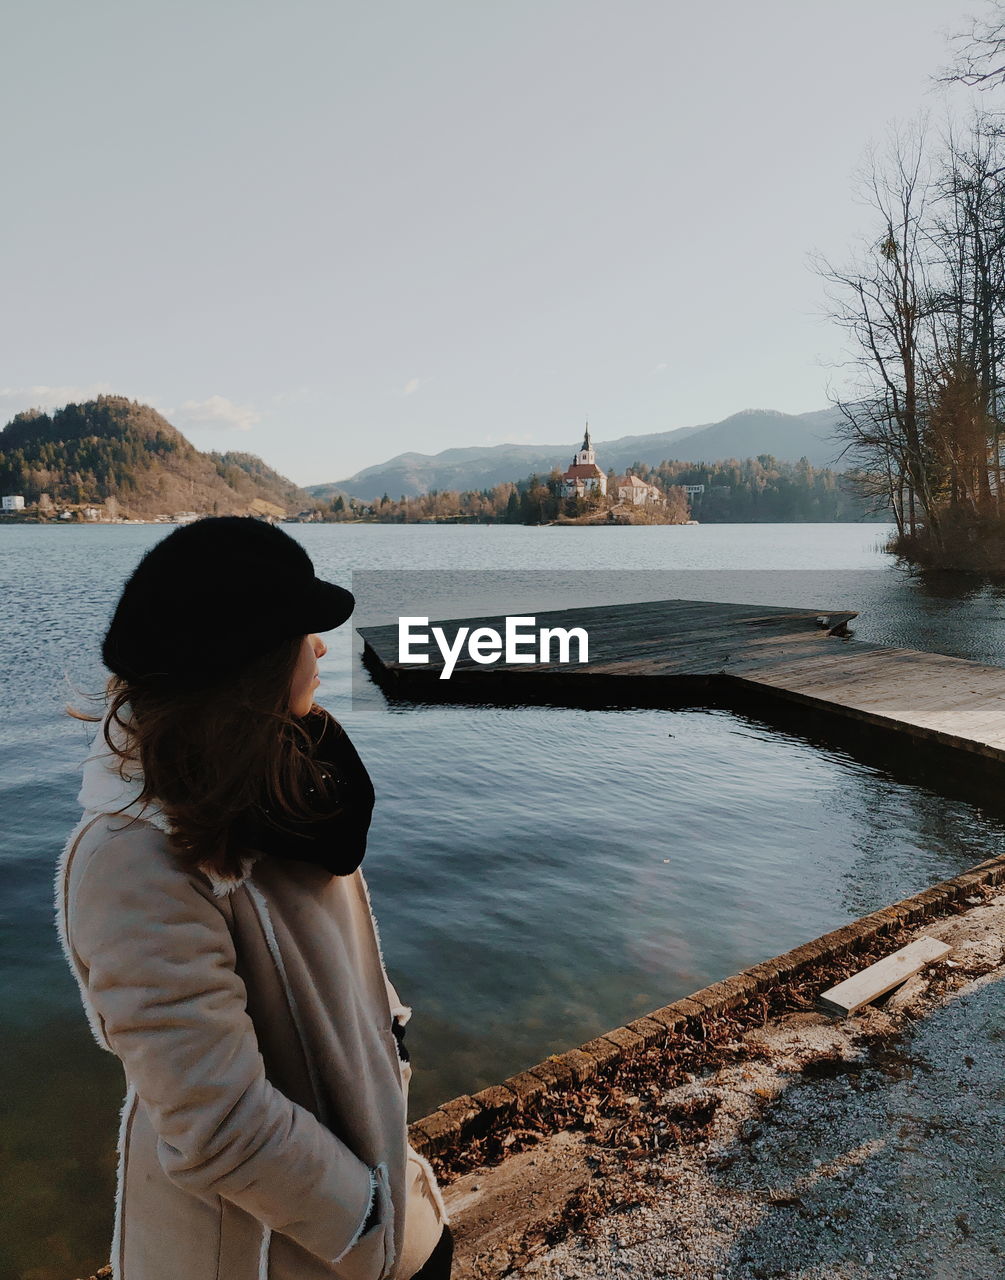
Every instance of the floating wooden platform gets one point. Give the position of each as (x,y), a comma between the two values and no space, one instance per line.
(669,651)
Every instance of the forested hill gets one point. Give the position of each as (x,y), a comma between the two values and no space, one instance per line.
(114,448)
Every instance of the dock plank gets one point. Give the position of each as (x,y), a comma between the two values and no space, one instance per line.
(867,687)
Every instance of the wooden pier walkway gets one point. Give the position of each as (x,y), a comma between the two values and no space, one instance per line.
(671,651)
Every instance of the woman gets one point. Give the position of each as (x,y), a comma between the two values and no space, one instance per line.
(211,906)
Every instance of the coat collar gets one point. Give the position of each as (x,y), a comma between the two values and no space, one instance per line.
(113,786)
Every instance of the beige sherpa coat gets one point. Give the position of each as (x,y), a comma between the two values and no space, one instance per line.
(266,1102)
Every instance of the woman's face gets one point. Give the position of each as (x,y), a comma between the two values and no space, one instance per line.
(305,676)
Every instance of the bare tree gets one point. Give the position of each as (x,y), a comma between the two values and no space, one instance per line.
(677,509)
(884,303)
(980,53)
(924,306)
(958,431)
(968,338)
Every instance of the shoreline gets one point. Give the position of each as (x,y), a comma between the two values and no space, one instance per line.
(535,1166)
(487,524)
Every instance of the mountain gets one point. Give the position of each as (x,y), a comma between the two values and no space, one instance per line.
(248,475)
(751,432)
(747,434)
(117,448)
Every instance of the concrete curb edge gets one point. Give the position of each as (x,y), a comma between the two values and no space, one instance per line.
(473,1116)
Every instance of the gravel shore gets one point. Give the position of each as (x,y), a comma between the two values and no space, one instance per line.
(824,1148)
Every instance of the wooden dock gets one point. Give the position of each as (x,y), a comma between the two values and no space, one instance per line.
(675,652)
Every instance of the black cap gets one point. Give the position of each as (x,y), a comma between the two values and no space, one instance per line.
(213,596)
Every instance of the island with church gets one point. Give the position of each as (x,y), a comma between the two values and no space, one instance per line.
(591,496)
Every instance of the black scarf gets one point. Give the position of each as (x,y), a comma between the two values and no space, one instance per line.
(336,839)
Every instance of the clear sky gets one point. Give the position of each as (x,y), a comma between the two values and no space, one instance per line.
(328,232)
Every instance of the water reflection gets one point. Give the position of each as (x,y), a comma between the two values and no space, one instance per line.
(950,586)
(59,1100)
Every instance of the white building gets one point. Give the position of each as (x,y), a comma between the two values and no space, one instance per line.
(693,490)
(13,502)
(637,491)
(584,476)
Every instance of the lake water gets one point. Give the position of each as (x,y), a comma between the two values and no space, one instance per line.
(539,874)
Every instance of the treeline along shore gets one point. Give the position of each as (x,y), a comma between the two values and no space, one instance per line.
(113,459)
(755,490)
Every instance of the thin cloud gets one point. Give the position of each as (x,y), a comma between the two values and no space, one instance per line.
(299,395)
(16,399)
(215,414)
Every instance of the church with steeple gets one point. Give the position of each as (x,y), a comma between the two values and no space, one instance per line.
(584,476)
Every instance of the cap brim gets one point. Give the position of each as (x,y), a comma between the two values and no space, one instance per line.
(329,606)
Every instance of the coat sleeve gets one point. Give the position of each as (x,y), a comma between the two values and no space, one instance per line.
(159,961)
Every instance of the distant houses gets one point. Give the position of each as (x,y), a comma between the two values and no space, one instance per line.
(637,492)
(109,512)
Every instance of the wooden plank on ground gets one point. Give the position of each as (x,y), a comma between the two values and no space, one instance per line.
(862,988)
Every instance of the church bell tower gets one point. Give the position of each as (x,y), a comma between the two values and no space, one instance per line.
(586,454)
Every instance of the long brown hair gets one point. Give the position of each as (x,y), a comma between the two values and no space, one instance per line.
(210,755)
